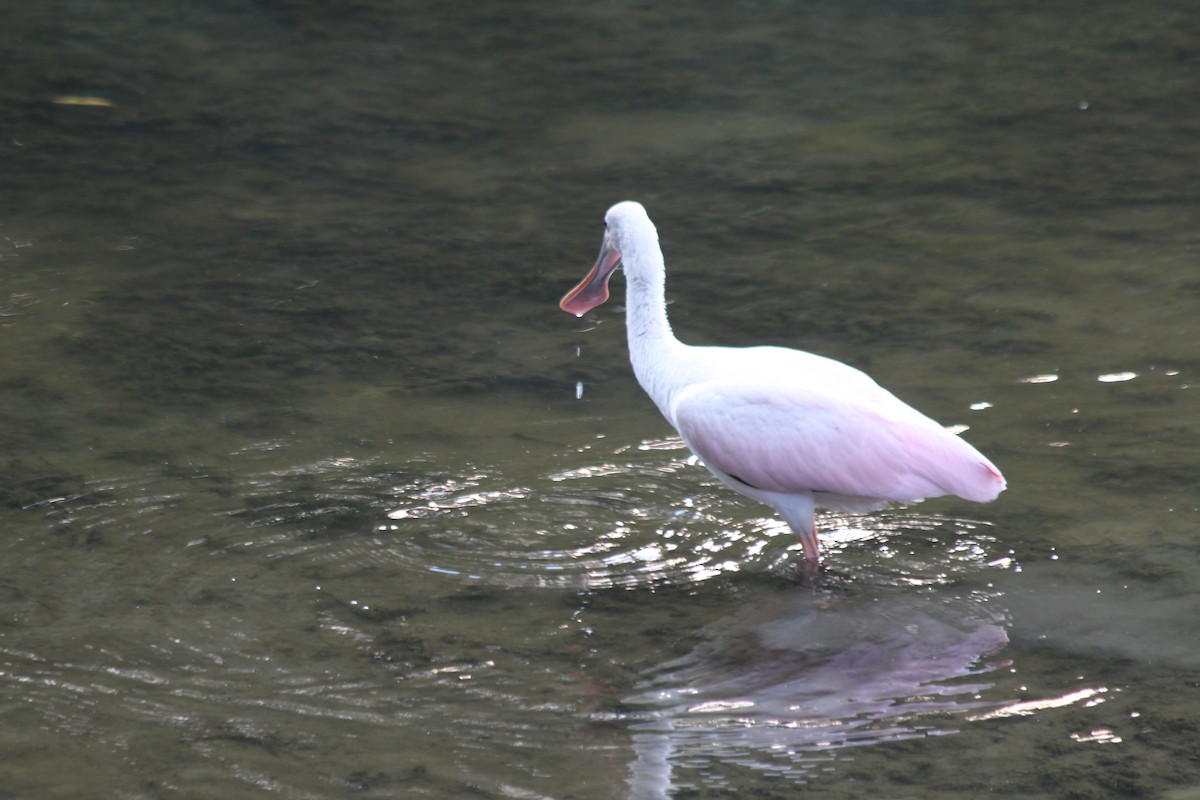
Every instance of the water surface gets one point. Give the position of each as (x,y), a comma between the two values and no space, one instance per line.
(309,490)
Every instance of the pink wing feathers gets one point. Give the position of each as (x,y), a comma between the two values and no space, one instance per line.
(780,435)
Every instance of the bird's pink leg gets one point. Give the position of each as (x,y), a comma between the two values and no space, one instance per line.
(808,540)
(798,512)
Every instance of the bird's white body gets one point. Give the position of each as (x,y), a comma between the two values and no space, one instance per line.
(788,428)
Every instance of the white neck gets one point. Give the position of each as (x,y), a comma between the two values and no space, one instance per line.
(653,348)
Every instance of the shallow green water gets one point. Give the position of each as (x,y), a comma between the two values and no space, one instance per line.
(309,490)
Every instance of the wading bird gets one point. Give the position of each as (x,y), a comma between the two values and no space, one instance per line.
(787,428)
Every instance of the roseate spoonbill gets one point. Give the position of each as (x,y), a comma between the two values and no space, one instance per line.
(788,428)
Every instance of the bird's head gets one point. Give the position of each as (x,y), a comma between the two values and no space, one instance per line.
(627,229)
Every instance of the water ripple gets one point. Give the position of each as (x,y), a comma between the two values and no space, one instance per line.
(309,603)
(646,522)
(778,690)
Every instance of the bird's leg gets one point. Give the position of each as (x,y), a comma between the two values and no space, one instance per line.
(798,512)
(807,535)
(810,568)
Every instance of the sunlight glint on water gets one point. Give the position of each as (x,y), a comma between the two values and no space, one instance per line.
(308,489)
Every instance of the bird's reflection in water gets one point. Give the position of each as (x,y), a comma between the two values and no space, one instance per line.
(777,690)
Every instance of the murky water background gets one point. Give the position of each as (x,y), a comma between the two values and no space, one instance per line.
(298,496)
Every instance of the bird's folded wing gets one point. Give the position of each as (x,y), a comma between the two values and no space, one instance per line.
(785,436)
